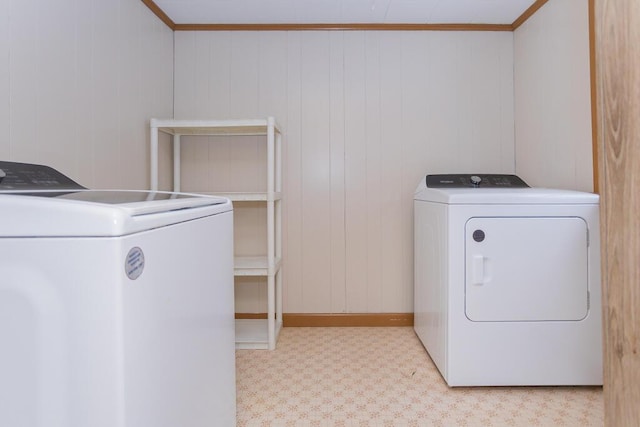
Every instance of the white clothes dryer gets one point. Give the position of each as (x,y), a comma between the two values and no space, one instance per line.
(116,307)
(507,281)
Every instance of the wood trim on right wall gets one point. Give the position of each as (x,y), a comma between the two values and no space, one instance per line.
(160,13)
(618,105)
(527,14)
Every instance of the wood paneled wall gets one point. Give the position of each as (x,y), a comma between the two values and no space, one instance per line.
(553,97)
(78,83)
(618,76)
(365,115)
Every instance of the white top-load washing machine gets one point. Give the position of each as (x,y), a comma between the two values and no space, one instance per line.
(116,307)
(507,281)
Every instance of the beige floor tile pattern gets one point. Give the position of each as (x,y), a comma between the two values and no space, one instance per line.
(383,377)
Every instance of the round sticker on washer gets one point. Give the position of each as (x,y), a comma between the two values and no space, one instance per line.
(134,264)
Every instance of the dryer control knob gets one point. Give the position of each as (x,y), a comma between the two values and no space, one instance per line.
(475,180)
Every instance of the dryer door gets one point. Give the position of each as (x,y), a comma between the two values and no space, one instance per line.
(526,269)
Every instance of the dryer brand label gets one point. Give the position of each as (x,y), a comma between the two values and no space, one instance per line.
(134,263)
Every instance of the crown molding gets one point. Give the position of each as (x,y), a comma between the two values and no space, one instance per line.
(160,13)
(343,27)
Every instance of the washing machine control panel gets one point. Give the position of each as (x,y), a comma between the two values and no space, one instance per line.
(27,177)
(475,181)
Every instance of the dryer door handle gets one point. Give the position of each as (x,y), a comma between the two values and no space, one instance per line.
(477,267)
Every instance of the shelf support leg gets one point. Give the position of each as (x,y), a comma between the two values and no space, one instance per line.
(176,162)
(271,321)
(154,159)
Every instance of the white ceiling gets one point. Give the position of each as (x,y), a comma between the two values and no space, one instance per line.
(344,11)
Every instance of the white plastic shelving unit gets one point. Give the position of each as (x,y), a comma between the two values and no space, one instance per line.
(250,333)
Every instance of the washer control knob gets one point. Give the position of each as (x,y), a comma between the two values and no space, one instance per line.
(475,180)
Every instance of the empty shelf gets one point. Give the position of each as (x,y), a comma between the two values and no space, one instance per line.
(253,334)
(253,265)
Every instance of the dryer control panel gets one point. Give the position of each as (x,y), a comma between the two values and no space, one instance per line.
(475,181)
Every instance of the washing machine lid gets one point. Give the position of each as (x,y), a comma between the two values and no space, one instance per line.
(86,213)
(39,201)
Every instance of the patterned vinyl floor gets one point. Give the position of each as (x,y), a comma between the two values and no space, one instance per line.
(384,377)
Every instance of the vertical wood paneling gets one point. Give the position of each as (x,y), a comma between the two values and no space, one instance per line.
(373,176)
(553,97)
(397,281)
(82,94)
(146,47)
(506,102)
(134,158)
(51,110)
(488,80)
(272,75)
(355,171)
(105,91)
(217,101)
(129,79)
(24,74)
(467,102)
(185,82)
(78,73)
(196,82)
(292,185)
(243,102)
(244,75)
(417,118)
(5,87)
(217,73)
(618,77)
(365,115)
(315,166)
(414,132)
(162,95)
(157,51)
(444,103)
(337,149)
